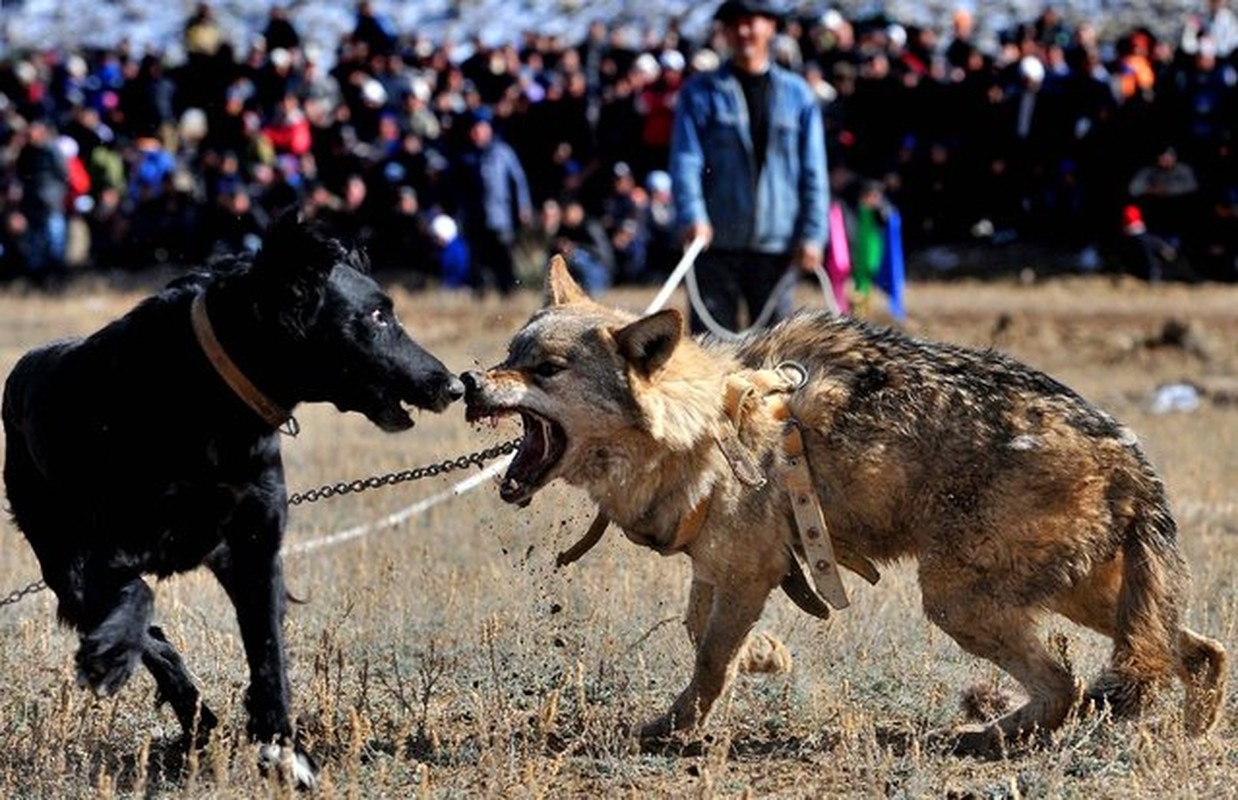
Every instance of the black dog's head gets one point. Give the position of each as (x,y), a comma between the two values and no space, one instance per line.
(344,343)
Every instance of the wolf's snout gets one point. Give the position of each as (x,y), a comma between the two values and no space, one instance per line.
(472,381)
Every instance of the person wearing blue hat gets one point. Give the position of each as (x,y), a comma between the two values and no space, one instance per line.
(748,167)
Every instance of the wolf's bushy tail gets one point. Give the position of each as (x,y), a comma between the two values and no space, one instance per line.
(1150,644)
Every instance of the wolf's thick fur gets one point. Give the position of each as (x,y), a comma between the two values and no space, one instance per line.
(1015,496)
(127,454)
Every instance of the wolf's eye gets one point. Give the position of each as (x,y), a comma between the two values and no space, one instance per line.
(548,369)
(380,318)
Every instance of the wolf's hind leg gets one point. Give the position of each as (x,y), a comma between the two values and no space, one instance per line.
(1093,603)
(1007,637)
(1198,660)
(1201,666)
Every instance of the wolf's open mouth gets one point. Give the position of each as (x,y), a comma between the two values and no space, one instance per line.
(540,450)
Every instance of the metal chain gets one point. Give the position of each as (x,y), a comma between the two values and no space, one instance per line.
(350,487)
(392,478)
(17,594)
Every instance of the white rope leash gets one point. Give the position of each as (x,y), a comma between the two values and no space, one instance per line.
(677,275)
(685,269)
(721,331)
(397,517)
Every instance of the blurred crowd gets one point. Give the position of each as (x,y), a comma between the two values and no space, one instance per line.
(1118,151)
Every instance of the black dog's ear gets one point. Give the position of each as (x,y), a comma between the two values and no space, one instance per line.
(647,343)
(292,268)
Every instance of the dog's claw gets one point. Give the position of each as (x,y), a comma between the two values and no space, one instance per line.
(288,762)
(104,668)
(197,735)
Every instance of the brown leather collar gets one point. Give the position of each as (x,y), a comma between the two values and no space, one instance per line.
(251,395)
(689,527)
(685,532)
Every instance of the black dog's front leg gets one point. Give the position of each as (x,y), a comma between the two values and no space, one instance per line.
(252,575)
(253,579)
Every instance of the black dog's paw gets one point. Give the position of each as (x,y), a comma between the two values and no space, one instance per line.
(289,763)
(104,663)
(196,731)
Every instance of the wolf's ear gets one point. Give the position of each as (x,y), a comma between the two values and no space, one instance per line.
(647,343)
(561,288)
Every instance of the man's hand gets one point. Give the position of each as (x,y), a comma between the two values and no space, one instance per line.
(808,256)
(701,230)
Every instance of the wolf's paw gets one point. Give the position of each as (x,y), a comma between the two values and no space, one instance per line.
(980,741)
(764,653)
(985,701)
(104,663)
(657,728)
(290,763)
(662,736)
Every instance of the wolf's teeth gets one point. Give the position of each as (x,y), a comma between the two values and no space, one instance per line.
(546,433)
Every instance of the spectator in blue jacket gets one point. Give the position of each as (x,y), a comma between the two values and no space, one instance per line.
(748,166)
(492,203)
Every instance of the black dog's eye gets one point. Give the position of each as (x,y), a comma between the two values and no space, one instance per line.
(380,318)
(548,369)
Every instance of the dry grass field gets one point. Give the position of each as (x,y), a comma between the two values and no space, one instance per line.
(445,656)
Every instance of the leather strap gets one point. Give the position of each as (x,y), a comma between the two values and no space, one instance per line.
(806,507)
(251,395)
(586,542)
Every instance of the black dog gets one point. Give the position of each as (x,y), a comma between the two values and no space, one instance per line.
(151,446)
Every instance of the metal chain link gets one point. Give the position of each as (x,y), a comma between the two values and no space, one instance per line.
(17,594)
(478,459)
(392,478)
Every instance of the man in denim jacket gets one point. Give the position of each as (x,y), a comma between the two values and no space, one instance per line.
(748,166)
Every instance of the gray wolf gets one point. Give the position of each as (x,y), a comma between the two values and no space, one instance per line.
(1016,498)
(129,453)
